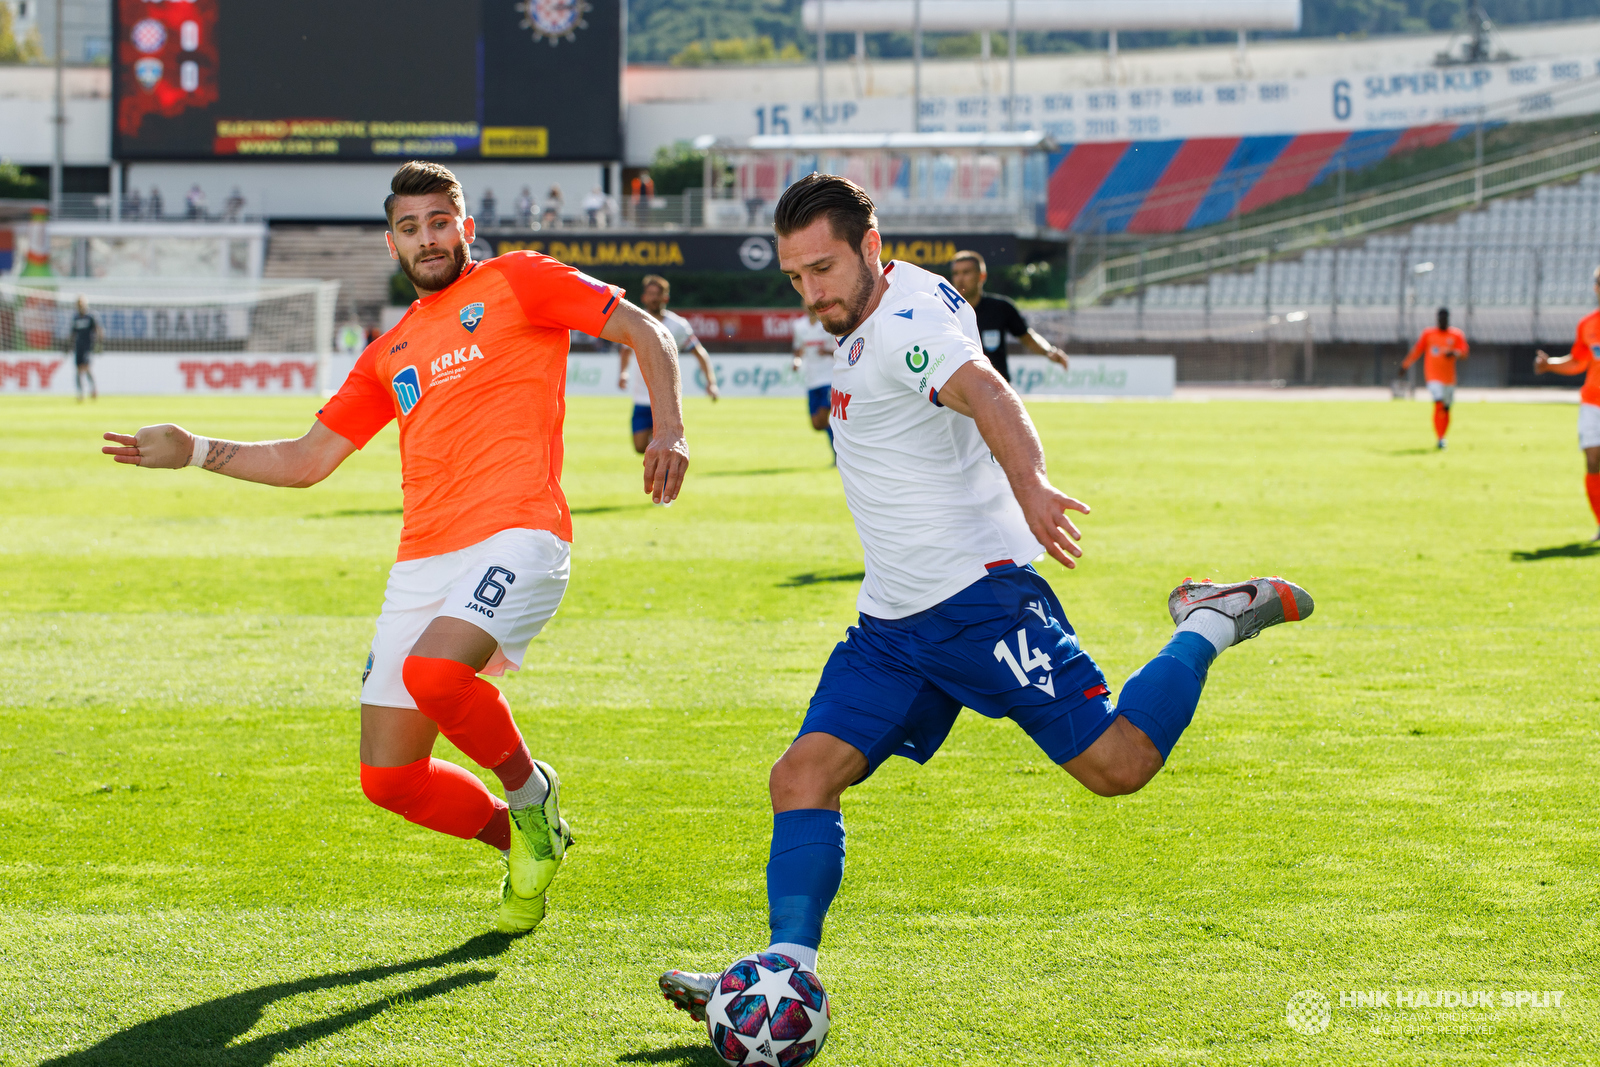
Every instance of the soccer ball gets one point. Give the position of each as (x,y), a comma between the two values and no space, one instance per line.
(768,1009)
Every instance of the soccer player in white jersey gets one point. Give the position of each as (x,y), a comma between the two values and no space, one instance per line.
(655,292)
(945,478)
(813,353)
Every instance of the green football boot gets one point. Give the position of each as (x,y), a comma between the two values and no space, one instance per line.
(539,840)
(518,914)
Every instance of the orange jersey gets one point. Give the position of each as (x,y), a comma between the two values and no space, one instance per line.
(1441,348)
(477,376)
(1585,356)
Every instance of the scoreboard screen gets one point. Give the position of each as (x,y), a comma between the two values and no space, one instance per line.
(362,79)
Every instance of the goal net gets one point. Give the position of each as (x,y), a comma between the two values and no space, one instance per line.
(164,315)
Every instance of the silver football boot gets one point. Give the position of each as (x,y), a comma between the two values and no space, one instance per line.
(689,991)
(1253,606)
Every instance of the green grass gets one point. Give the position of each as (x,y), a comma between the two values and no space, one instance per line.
(1398,793)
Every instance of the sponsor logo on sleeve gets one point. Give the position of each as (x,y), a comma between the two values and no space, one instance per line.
(471,315)
(855,350)
(407,389)
(917,360)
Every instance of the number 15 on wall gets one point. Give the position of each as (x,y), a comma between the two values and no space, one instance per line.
(777,116)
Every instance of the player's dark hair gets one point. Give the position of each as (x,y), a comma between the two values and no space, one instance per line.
(654,279)
(849,209)
(419,178)
(968,254)
(1444,318)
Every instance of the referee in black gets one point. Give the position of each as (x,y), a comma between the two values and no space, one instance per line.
(997,316)
(81,336)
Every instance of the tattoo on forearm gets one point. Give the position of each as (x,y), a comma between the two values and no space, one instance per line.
(220,454)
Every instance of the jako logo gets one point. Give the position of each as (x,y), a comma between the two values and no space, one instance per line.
(407,389)
(471,315)
(398,347)
(855,350)
(917,360)
(839,408)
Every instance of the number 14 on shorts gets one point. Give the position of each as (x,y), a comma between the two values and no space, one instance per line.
(1025,660)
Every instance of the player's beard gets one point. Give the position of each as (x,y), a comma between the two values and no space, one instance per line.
(846,315)
(436,274)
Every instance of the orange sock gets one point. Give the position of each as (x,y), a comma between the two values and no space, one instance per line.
(435,794)
(1591,483)
(472,713)
(1441,420)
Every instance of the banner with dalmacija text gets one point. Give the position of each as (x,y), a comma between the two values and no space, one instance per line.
(588,374)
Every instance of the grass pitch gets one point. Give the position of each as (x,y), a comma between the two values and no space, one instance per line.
(1395,795)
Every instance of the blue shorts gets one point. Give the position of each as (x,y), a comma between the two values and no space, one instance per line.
(642,419)
(1002,647)
(820,398)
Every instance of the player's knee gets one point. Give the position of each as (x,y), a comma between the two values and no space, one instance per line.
(433,682)
(1129,772)
(395,789)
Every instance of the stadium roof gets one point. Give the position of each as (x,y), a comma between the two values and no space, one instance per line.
(1026,140)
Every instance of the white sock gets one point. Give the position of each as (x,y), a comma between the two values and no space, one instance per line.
(533,791)
(806,957)
(1214,626)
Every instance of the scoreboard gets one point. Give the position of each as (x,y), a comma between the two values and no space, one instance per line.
(363,79)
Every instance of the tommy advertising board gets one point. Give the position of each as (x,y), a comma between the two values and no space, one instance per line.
(172,374)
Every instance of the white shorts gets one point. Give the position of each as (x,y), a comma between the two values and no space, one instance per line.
(1588,426)
(1442,393)
(509,585)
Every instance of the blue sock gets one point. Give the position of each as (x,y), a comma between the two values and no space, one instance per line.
(804,873)
(1161,696)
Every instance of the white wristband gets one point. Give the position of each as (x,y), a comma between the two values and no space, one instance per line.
(202,447)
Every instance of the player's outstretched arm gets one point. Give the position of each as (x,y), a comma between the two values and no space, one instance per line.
(977,391)
(667,457)
(1041,346)
(704,359)
(294,463)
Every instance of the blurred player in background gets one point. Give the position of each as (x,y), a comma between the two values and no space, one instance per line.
(813,353)
(83,332)
(945,478)
(997,316)
(654,293)
(1584,357)
(1439,349)
(475,374)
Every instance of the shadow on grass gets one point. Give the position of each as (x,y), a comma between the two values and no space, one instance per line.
(1413,451)
(813,578)
(204,1034)
(768,470)
(1576,550)
(686,1054)
(357,513)
(603,509)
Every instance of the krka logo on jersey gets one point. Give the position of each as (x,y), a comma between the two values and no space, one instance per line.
(407,389)
(471,315)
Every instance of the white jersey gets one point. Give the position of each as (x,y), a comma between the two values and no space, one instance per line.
(682,333)
(814,345)
(930,503)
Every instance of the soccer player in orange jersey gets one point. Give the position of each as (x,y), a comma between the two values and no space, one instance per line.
(1585,356)
(475,373)
(1439,349)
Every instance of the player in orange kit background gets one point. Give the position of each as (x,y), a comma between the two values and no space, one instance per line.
(1439,348)
(1584,357)
(475,373)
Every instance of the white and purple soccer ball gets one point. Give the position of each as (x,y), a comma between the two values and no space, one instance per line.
(767,1009)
